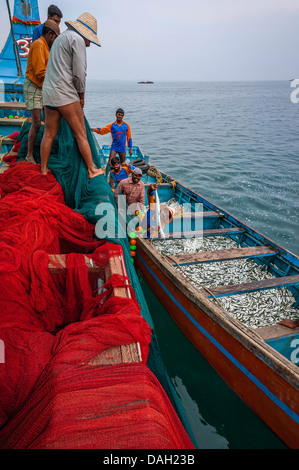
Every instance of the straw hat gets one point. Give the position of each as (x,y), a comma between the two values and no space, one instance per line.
(87,26)
(52,25)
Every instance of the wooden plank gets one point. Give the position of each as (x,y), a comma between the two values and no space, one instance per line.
(114,266)
(275,331)
(222,255)
(204,214)
(12,122)
(203,233)
(122,354)
(17,105)
(6,141)
(246,287)
(59,262)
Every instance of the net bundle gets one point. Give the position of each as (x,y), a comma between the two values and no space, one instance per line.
(75,328)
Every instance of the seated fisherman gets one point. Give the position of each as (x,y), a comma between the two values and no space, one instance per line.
(149,223)
(121,133)
(132,189)
(119,172)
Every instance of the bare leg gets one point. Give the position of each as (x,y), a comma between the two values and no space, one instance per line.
(52,123)
(112,154)
(35,125)
(73,114)
(122,156)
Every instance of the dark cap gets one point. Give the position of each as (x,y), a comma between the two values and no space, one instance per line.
(120,110)
(52,25)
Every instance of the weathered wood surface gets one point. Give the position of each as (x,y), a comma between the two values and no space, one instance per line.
(122,354)
(275,331)
(246,287)
(15,105)
(222,255)
(12,122)
(205,214)
(203,233)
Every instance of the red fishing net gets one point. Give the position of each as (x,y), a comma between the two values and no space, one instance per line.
(75,373)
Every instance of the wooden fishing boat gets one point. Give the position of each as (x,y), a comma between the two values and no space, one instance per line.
(259,363)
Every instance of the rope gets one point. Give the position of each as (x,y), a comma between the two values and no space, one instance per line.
(155,173)
(2,138)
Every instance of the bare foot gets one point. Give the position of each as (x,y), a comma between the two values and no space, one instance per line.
(95,172)
(44,171)
(30,159)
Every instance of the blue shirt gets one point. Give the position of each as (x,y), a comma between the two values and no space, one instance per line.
(37,32)
(125,171)
(121,133)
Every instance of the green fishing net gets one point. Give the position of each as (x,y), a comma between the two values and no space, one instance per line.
(85,196)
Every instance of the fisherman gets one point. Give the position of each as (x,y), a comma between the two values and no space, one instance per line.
(34,79)
(53,14)
(133,190)
(119,172)
(121,134)
(150,224)
(64,88)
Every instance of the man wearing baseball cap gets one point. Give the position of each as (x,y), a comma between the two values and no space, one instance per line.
(121,135)
(35,75)
(133,190)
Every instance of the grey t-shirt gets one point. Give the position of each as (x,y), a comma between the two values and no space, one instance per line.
(66,70)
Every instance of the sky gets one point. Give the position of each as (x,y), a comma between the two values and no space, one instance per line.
(197,40)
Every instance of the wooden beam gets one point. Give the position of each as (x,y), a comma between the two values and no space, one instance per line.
(114,266)
(15,105)
(223,255)
(58,262)
(122,354)
(204,214)
(203,233)
(6,141)
(247,287)
(12,122)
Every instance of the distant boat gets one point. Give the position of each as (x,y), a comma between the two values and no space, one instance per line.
(146,83)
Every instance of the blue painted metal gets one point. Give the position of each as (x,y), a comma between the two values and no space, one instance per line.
(26,11)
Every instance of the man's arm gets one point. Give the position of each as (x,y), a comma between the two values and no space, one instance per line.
(79,66)
(129,140)
(103,130)
(39,65)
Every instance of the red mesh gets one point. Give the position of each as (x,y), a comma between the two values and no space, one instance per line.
(54,325)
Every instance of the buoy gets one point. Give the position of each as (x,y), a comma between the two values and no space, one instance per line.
(139,229)
(133,247)
(10,117)
(133,242)
(16,117)
(133,253)
(132,259)
(132,235)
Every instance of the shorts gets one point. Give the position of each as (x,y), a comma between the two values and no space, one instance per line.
(54,108)
(32,95)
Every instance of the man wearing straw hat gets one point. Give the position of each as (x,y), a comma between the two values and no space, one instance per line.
(64,88)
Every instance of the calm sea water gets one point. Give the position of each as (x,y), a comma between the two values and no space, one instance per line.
(237,144)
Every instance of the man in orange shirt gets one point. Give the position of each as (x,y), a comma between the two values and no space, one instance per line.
(35,74)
